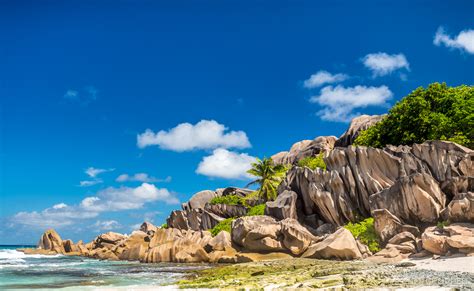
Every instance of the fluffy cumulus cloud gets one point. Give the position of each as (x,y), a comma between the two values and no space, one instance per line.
(206,134)
(323,77)
(464,41)
(107,200)
(226,164)
(141,177)
(126,198)
(340,102)
(382,64)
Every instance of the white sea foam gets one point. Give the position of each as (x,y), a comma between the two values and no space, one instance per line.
(14,254)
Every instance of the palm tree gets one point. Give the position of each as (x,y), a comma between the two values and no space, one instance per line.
(270,176)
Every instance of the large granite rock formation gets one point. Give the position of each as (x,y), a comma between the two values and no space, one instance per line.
(303,149)
(199,214)
(51,241)
(412,183)
(357,125)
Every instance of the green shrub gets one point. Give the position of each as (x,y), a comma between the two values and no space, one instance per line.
(228,200)
(225,224)
(164,225)
(256,210)
(442,224)
(438,112)
(313,162)
(365,232)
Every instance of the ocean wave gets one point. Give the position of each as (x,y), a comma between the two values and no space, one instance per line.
(14,254)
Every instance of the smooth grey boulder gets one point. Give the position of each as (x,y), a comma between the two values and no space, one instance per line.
(283,207)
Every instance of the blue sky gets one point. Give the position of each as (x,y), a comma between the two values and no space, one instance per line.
(215,83)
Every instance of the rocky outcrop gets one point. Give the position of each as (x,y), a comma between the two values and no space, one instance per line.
(257,233)
(357,125)
(339,245)
(296,238)
(51,241)
(387,225)
(283,207)
(303,149)
(456,237)
(199,214)
(460,209)
(148,227)
(416,199)
(410,182)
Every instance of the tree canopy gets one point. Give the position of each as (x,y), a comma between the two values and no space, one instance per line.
(438,112)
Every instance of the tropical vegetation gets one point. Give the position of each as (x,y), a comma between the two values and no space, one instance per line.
(438,112)
(313,162)
(228,200)
(269,177)
(365,232)
(225,224)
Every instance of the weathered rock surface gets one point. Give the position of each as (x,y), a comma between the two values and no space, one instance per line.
(339,245)
(296,238)
(415,199)
(387,225)
(148,227)
(303,149)
(51,241)
(434,241)
(283,207)
(413,183)
(357,125)
(221,241)
(461,208)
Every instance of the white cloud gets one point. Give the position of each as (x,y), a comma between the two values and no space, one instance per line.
(126,198)
(94,172)
(463,41)
(323,77)
(59,206)
(339,102)
(88,183)
(106,225)
(55,217)
(206,134)
(226,164)
(110,199)
(141,177)
(382,64)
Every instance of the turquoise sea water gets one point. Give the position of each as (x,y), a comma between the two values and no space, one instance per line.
(20,271)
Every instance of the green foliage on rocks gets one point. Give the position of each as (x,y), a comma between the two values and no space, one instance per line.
(257,210)
(438,112)
(225,224)
(313,162)
(228,200)
(269,177)
(164,225)
(365,232)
